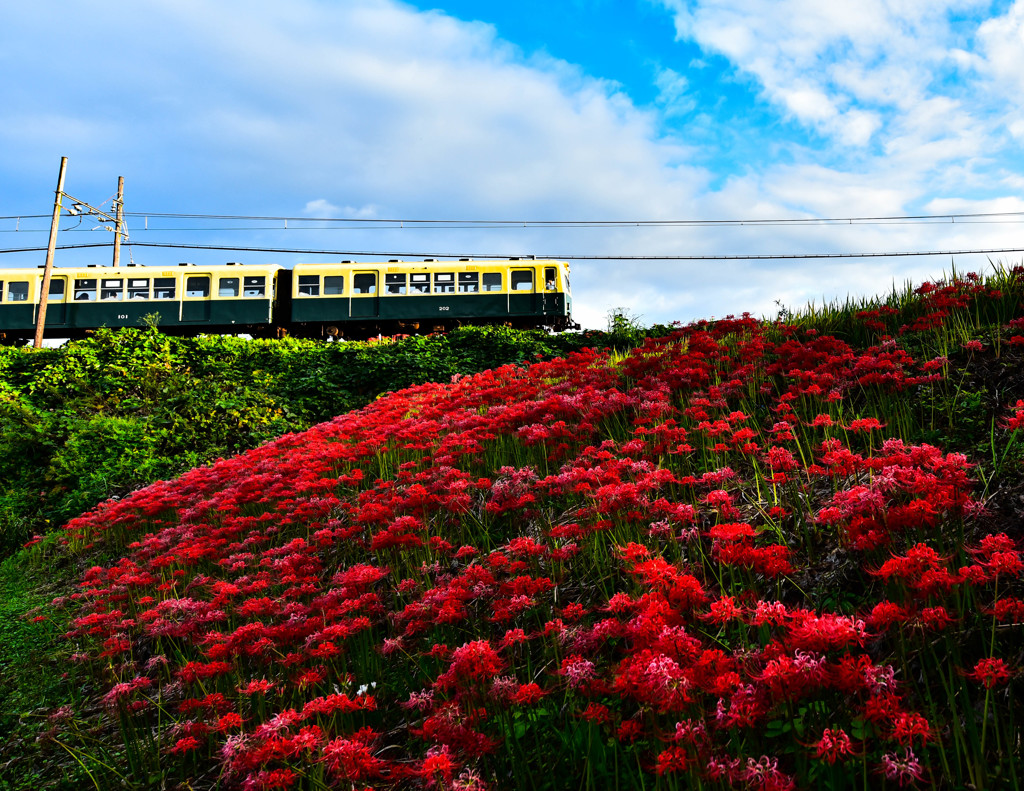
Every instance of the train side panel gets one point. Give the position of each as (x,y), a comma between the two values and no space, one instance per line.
(399,295)
(183,300)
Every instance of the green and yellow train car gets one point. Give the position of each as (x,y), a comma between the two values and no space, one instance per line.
(360,299)
(182,300)
(353,300)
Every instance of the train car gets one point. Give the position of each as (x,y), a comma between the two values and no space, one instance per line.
(347,299)
(182,300)
(358,300)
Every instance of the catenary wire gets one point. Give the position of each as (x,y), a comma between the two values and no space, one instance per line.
(377,222)
(561,257)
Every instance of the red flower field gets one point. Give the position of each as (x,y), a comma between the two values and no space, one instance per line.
(722,560)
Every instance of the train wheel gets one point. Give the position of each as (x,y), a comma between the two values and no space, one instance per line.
(332,331)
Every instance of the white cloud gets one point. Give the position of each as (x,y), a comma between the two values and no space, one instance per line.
(1002,40)
(323,209)
(842,73)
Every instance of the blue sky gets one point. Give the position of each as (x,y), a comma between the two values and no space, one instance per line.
(580,110)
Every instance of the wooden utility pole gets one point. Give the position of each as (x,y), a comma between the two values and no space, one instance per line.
(44,289)
(119,221)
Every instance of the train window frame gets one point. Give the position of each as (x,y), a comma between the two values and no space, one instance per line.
(492,281)
(419,283)
(54,295)
(110,292)
(361,288)
(86,289)
(444,282)
(139,288)
(194,290)
(395,283)
(309,288)
(19,295)
(334,285)
(164,288)
(254,286)
(17,290)
(517,274)
(469,282)
(228,287)
(550,278)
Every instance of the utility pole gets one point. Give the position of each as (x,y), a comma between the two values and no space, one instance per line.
(45,287)
(119,221)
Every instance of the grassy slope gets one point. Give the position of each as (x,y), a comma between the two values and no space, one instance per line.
(960,416)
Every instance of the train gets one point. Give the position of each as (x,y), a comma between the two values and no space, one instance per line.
(340,300)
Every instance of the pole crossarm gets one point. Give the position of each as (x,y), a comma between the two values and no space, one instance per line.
(92,209)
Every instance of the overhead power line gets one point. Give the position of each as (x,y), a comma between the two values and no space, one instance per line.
(557,257)
(366,223)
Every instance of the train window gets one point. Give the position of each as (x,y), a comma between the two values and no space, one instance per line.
(394,284)
(254,286)
(550,279)
(522,280)
(492,281)
(112,289)
(469,282)
(17,291)
(444,282)
(364,283)
(420,284)
(138,288)
(56,290)
(334,285)
(163,288)
(1,289)
(85,289)
(197,286)
(309,285)
(227,287)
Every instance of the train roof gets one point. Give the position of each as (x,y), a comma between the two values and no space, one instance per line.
(439,263)
(126,270)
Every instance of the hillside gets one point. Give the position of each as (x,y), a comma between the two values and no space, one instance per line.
(748,554)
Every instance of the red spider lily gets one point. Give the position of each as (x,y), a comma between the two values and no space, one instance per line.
(885,614)
(906,726)
(865,424)
(673,759)
(1016,421)
(186,744)
(352,759)
(834,746)
(1008,610)
(474,661)
(812,632)
(991,672)
(723,610)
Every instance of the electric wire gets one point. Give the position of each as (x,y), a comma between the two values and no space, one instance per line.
(564,223)
(554,257)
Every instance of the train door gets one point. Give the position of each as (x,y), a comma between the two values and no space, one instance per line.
(548,298)
(522,298)
(195,305)
(56,304)
(364,297)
